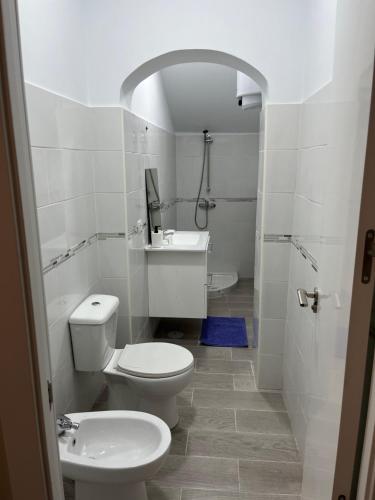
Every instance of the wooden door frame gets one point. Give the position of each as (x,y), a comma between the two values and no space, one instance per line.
(29,462)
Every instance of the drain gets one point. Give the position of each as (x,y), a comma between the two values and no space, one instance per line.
(175,334)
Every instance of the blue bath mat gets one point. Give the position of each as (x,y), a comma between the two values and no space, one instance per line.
(224,332)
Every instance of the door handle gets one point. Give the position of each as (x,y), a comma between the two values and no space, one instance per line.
(303,296)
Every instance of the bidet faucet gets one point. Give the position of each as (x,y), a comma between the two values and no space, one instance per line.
(63,423)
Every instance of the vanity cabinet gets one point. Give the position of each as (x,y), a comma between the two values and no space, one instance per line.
(177,280)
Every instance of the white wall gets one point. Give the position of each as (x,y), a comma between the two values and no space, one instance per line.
(146,146)
(203,96)
(234,173)
(150,102)
(133,33)
(85,49)
(55,51)
(70,145)
(89,178)
(320,42)
(53,37)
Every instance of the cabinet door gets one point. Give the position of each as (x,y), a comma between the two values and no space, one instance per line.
(177,284)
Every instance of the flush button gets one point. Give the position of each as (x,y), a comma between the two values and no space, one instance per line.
(95,303)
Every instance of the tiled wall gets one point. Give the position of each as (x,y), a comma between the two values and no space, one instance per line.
(71,144)
(146,146)
(277,178)
(234,178)
(314,352)
(91,188)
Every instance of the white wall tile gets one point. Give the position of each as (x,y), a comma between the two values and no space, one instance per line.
(113,257)
(274,300)
(281,170)
(110,212)
(282,126)
(270,374)
(276,258)
(108,171)
(278,213)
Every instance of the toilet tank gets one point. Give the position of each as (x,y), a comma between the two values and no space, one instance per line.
(93,330)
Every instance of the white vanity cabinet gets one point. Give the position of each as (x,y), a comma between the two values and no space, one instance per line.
(177,276)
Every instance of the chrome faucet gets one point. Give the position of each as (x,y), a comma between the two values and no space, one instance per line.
(63,423)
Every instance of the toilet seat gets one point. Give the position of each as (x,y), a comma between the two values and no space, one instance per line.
(154,360)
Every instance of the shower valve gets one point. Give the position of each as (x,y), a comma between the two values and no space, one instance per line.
(206,203)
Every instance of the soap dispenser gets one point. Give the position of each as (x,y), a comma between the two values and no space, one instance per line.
(157,237)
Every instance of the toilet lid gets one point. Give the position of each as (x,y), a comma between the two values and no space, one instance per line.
(155,360)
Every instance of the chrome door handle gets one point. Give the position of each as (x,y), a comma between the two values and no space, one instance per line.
(303,296)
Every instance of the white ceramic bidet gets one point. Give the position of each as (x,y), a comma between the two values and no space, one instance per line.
(113,453)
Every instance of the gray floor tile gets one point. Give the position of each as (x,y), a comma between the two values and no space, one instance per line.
(207,352)
(242,353)
(244,383)
(236,304)
(212,381)
(223,366)
(159,493)
(185,397)
(179,440)
(270,477)
(221,312)
(263,422)
(188,494)
(245,446)
(240,313)
(207,418)
(268,401)
(198,472)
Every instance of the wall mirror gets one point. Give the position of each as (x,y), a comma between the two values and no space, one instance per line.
(153,199)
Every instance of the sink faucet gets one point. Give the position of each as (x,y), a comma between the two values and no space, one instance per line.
(169,232)
(63,423)
(168,235)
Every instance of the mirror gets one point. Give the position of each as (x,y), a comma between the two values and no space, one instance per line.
(153,199)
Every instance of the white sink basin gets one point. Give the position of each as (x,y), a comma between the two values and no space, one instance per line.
(112,448)
(184,241)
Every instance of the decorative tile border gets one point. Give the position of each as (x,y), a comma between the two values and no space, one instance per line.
(216,198)
(288,238)
(60,259)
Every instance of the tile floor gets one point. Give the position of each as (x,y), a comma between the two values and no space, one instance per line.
(232,441)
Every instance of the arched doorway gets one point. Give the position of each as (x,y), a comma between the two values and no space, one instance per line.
(188,56)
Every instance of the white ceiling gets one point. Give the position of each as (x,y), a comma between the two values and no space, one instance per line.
(203,96)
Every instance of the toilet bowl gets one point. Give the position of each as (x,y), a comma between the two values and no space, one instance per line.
(113,453)
(148,376)
(145,377)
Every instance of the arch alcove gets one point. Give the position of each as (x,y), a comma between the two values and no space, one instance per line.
(188,56)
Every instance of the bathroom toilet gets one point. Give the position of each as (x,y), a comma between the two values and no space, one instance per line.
(145,377)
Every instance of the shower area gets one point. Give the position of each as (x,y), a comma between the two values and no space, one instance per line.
(217,191)
(217,155)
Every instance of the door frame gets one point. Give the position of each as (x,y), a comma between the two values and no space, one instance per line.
(29,461)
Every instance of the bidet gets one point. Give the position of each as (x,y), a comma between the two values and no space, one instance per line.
(113,453)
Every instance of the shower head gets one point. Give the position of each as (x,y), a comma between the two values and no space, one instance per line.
(207,138)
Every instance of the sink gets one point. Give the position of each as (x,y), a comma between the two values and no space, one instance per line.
(184,241)
(112,453)
(186,238)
